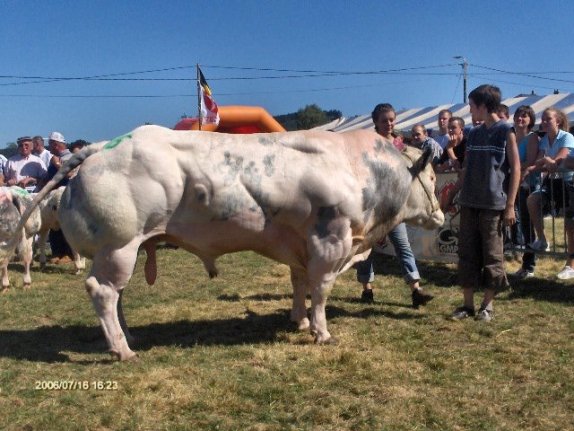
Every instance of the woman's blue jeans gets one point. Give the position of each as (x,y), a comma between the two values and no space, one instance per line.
(400,241)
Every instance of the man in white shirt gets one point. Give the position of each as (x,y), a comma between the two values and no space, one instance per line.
(25,169)
(39,150)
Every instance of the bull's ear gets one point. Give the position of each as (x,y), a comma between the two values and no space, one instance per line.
(421,162)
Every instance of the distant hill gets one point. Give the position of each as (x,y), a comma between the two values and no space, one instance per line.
(290,121)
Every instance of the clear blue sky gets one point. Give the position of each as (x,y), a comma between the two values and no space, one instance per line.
(65,39)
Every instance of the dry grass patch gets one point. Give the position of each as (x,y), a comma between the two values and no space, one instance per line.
(222,354)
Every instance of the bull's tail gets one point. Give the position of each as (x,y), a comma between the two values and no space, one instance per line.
(73,162)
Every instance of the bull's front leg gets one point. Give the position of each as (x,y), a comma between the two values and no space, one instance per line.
(299,310)
(320,290)
(329,244)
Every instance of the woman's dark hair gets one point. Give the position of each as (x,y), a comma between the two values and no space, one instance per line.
(487,95)
(526,109)
(379,109)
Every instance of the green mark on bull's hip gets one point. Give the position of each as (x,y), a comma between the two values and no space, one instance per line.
(19,191)
(116,141)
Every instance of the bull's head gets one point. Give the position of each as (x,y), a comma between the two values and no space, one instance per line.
(422,207)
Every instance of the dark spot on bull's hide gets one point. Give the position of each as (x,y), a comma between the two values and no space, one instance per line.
(386,189)
(265,141)
(251,171)
(269,163)
(231,167)
(232,204)
(93,229)
(379,145)
(94,170)
(324,216)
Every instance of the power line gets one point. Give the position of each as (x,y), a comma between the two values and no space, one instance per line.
(299,74)
(527,74)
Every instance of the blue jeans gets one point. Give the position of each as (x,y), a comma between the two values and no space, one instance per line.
(400,240)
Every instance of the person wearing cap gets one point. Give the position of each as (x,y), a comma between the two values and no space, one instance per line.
(39,150)
(61,251)
(59,149)
(25,169)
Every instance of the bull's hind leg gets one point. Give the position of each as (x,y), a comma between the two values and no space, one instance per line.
(27,258)
(299,310)
(5,280)
(111,272)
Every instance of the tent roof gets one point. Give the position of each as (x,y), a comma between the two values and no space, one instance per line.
(428,115)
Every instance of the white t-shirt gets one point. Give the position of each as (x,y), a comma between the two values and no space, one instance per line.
(20,167)
(46,156)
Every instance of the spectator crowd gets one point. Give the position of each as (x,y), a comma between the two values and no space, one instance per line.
(32,167)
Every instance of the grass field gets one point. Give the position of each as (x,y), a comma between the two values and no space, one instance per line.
(222,354)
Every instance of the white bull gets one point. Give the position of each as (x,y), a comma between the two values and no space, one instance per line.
(316,201)
(13,203)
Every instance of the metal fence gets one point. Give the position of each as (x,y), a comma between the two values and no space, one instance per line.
(551,193)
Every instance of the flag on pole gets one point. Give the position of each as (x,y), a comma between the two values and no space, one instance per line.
(208,108)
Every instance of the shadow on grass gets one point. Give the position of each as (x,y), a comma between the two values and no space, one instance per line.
(18,268)
(439,274)
(47,343)
(543,290)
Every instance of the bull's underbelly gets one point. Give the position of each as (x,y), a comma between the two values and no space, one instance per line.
(210,240)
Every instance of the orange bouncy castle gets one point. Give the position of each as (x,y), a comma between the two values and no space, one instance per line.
(236,119)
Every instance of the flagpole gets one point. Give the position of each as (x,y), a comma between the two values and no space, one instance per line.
(198,95)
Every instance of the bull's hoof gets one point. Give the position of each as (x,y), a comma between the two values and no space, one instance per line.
(303,324)
(124,356)
(331,341)
(78,272)
(26,286)
(4,290)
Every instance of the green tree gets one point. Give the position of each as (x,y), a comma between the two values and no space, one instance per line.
(311,116)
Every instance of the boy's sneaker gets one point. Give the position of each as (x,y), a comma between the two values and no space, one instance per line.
(522,273)
(462,313)
(566,274)
(539,245)
(485,315)
(367,296)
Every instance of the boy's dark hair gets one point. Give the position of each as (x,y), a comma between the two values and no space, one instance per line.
(379,109)
(487,95)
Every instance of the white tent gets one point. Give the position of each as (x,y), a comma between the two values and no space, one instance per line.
(428,115)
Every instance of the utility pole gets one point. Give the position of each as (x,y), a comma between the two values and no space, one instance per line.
(464,65)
